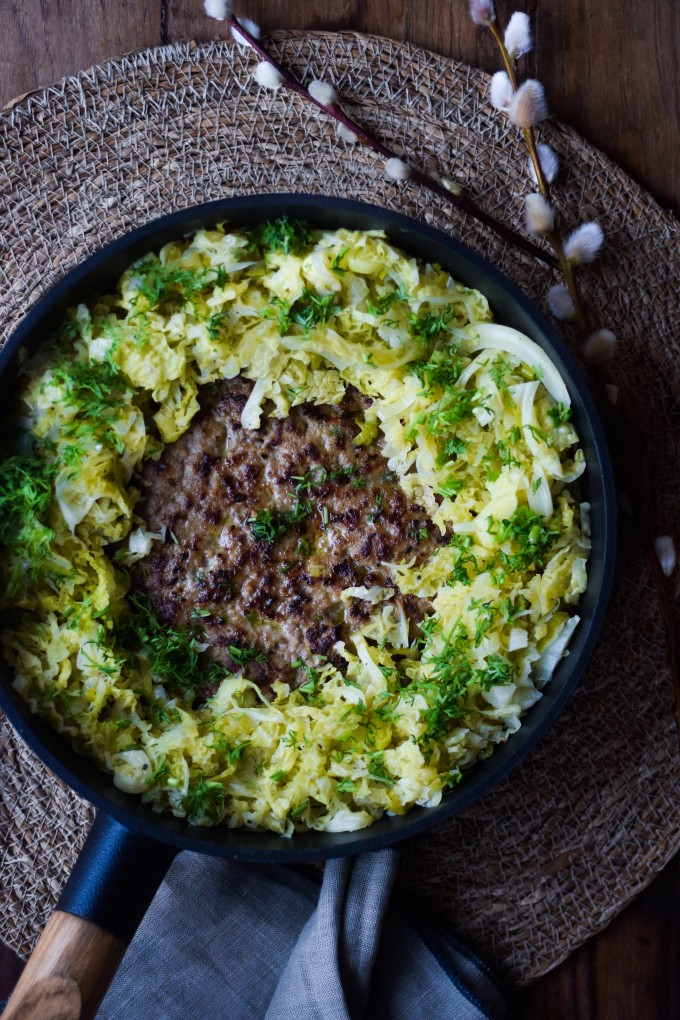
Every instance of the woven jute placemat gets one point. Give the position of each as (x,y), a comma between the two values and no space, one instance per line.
(573,834)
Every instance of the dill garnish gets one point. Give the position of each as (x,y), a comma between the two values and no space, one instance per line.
(25,498)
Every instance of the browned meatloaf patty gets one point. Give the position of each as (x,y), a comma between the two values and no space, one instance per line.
(266,528)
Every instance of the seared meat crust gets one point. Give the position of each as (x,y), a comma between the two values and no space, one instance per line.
(279,600)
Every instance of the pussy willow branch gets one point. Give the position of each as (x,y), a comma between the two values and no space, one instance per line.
(544,188)
(618,425)
(462,202)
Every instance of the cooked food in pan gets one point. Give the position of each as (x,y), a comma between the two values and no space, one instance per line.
(291,530)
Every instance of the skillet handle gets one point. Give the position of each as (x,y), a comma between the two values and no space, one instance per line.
(112,884)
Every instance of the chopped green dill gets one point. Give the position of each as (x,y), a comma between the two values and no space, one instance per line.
(278,776)
(499,372)
(498,671)
(378,770)
(314,476)
(159,773)
(286,235)
(511,609)
(215,324)
(505,456)
(310,687)
(530,535)
(205,800)
(346,786)
(450,487)
(378,509)
(454,407)
(383,303)
(560,414)
(161,715)
(25,498)
(243,654)
(197,613)
(450,675)
(442,369)
(309,310)
(278,308)
(536,485)
(97,393)
(459,574)
(429,326)
(172,654)
(336,267)
(157,282)
(539,434)
(300,809)
(269,525)
(453,448)
(224,748)
(312,309)
(485,616)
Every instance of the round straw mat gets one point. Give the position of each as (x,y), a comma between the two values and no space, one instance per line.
(572,835)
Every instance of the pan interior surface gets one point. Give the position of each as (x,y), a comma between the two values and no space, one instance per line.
(510,308)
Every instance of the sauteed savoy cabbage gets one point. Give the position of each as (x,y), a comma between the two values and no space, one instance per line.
(457,457)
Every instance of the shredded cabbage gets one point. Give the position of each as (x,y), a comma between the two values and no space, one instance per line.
(472,416)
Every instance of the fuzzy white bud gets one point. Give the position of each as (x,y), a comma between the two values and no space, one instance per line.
(501,91)
(560,303)
(397,170)
(584,243)
(217,9)
(452,185)
(268,76)
(540,215)
(548,161)
(250,26)
(323,92)
(528,106)
(666,553)
(600,347)
(518,39)
(346,133)
(482,12)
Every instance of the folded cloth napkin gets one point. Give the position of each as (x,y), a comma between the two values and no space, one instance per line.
(264,942)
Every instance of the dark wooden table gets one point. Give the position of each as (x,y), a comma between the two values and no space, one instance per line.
(611,70)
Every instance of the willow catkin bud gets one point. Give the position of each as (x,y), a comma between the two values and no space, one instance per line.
(501,91)
(560,302)
(482,12)
(548,162)
(268,76)
(251,27)
(217,9)
(397,170)
(323,92)
(528,106)
(539,214)
(600,347)
(666,553)
(517,38)
(584,243)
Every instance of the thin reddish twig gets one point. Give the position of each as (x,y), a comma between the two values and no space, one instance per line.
(462,202)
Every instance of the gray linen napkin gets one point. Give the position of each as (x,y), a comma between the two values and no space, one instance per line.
(255,942)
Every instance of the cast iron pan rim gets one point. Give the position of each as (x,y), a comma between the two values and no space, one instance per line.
(521,744)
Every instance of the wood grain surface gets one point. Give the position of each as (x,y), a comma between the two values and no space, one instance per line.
(612,71)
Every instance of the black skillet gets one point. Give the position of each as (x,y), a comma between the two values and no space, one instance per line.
(130,847)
